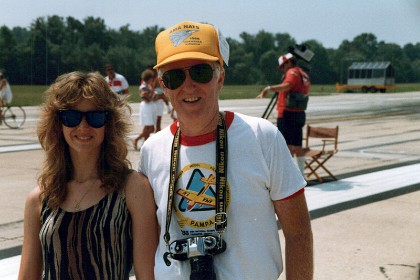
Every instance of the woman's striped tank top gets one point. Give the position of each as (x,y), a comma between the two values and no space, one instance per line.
(95,243)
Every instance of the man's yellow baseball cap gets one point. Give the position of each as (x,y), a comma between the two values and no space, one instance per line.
(191,40)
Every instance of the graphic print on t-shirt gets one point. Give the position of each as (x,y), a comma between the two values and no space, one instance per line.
(195,199)
(198,197)
(115,83)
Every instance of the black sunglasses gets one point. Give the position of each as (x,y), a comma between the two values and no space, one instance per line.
(72,118)
(201,73)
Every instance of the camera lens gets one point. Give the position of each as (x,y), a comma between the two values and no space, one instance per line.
(178,248)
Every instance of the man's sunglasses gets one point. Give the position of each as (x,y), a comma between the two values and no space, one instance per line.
(201,73)
(72,118)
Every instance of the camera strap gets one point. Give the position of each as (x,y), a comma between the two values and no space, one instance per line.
(221,178)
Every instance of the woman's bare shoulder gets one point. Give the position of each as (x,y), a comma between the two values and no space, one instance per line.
(137,182)
(33,200)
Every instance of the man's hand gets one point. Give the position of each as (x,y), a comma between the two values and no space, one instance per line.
(264,92)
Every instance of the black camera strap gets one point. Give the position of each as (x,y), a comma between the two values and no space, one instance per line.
(221,178)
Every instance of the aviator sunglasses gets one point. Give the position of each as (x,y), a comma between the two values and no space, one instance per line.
(72,118)
(201,73)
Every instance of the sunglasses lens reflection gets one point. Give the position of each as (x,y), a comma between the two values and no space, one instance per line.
(173,79)
(201,73)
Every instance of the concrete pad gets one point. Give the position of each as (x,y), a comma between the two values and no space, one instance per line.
(375,241)
(364,236)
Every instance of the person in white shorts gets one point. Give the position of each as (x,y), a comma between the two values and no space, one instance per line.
(159,100)
(147,115)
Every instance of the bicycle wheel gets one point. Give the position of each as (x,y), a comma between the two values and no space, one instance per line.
(14,117)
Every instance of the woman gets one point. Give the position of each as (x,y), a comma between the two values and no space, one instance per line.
(91,217)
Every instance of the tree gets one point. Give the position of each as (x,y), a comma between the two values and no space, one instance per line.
(366,44)
(95,32)
(7,50)
(394,53)
(319,69)
(282,43)
(268,65)
(39,52)
(412,51)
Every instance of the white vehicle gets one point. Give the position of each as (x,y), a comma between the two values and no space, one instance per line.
(369,77)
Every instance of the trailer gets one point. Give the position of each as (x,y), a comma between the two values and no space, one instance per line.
(369,77)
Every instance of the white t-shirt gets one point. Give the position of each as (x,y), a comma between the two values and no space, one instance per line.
(260,170)
(118,84)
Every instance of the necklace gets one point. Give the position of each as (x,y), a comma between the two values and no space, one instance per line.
(77,203)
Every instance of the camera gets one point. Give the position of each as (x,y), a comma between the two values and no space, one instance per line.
(302,52)
(200,251)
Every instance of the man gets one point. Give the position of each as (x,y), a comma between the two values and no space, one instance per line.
(291,118)
(116,81)
(211,206)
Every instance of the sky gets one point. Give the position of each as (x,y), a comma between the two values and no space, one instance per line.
(327,21)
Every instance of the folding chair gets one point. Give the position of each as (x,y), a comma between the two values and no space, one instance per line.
(316,158)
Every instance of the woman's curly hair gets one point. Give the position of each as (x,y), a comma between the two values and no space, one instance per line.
(65,93)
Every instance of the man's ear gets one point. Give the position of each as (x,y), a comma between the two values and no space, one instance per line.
(221,80)
(162,85)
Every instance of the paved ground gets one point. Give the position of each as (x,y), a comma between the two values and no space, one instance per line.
(373,238)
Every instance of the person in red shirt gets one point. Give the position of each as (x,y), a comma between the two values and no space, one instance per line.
(290,120)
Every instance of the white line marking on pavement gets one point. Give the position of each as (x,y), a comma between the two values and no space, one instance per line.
(336,192)
(16,148)
(9,268)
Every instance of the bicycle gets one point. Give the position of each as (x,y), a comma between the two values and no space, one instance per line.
(13,116)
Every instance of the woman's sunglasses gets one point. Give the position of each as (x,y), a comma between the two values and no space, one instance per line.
(201,73)
(72,118)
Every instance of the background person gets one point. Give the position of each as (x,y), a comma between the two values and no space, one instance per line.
(159,100)
(116,81)
(91,217)
(260,183)
(6,95)
(147,110)
(290,121)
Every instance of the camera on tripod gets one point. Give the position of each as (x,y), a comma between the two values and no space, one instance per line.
(302,52)
(200,251)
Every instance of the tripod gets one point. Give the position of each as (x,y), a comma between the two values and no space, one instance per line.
(270,106)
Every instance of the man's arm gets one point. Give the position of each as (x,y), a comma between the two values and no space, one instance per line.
(296,225)
(279,88)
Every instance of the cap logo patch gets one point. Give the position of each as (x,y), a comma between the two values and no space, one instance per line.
(178,37)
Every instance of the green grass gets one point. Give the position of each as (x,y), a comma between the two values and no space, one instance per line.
(33,95)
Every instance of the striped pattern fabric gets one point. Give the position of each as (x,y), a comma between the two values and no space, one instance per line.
(95,243)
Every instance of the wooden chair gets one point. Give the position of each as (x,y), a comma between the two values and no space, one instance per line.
(327,139)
